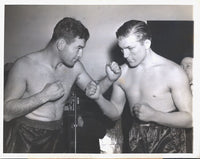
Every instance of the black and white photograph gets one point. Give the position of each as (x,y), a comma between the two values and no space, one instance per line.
(100,79)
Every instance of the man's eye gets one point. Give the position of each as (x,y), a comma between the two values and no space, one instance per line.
(131,48)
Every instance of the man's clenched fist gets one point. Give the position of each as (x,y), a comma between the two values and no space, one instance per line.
(92,90)
(113,71)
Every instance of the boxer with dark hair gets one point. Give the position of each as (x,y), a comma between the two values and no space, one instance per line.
(39,84)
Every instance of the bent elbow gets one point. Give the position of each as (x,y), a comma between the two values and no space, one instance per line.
(189,122)
(190,125)
(115,117)
(7,118)
(7,115)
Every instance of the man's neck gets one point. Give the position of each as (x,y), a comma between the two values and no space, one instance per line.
(51,57)
(149,60)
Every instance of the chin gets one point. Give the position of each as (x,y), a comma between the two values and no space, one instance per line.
(133,65)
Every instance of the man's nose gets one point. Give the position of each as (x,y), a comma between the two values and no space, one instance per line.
(80,53)
(126,53)
(184,68)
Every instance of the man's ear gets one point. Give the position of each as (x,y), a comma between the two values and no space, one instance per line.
(147,43)
(61,44)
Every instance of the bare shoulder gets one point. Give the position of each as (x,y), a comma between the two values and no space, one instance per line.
(23,65)
(172,67)
(172,71)
(17,75)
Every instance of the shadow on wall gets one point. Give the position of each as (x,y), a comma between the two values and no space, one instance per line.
(116,54)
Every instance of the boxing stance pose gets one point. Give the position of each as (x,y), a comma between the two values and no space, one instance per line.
(157,90)
(39,84)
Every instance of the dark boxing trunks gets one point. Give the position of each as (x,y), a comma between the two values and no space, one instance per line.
(153,138)
(27,136)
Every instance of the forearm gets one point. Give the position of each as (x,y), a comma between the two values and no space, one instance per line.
(108,108)
(104,84)
(19,107)
(174,119)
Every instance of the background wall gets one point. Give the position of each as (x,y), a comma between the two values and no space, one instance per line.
(28,28)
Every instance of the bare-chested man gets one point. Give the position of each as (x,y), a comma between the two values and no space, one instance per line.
(187,65)
(39,84)
(157,90)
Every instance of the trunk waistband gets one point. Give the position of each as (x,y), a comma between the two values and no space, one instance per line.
(49,125)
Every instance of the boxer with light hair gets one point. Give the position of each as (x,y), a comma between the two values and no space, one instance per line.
(157,91)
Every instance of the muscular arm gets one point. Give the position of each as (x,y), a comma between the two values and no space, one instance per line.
(182,98)
(14,103)
(84,78)
(113,108)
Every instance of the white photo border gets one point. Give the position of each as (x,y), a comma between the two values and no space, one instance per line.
(196,68)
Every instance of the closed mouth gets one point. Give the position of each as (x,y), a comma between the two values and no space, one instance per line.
(131,60)
(75,59)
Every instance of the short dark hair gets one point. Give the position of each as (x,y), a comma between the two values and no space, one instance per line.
(139,28)
(69,28)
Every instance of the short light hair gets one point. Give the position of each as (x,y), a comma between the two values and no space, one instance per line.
(136,27)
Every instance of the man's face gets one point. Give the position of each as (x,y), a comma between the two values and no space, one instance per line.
(186,64)
(133,50)
(72,52)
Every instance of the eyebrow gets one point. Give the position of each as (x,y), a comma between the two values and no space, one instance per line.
(82,46)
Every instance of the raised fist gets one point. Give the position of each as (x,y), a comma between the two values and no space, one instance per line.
(53,91)
(92,90)
(113,71)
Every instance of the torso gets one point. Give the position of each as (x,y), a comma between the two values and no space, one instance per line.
(150,86)
(38,76)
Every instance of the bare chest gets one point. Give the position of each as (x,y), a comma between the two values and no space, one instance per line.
(147,87)
(37,80)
